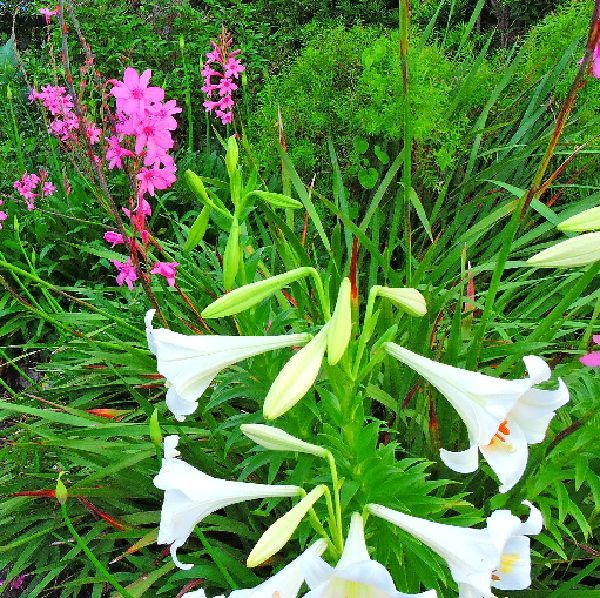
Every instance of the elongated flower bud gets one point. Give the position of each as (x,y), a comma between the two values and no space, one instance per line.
(251,294)
(296,377)
(231,158)
(586,220)
(61,492)
(278,440)
(410,300)
(281,531)
(578,251)
(231,257)
(278,200)
(340,325)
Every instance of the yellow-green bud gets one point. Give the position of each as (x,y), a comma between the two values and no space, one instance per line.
(61,492)
(586,220)
(253,293)
(154,429)
(281,531)
(278,200)
(278,440)
(340,325)
(410,300)
(231,158)
(578,251)
(231,256)
(296,377)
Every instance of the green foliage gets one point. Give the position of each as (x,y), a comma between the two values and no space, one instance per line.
(347,84)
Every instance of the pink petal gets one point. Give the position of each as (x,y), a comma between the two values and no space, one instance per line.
(145,78)
(596,338)
(131,78)
(592,360)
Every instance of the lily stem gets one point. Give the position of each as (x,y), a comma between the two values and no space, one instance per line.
(99,566)
(336,497)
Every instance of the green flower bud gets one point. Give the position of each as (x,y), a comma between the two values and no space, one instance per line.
(278,440)
(231,257)
(253,293)
(154,429)
(586,220)
(410,300)
(340,325)
(61,492)
(578,251)
(281,531)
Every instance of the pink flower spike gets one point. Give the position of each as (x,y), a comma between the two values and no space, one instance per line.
(126,273)
(166,269)
(226,87)
(591,360)
(113,238)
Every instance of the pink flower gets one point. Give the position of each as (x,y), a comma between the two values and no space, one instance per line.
(114,238)
(164,114)
(48,189)
(115,153)
(93,133)
(3,215)
(166,269)
(226,87)
(151,179)
(47,12)
(133,93)
(126,273)
(233,67)
(592,360)
(151,134)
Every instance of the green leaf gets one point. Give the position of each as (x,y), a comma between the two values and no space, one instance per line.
(198,229)
(368,177)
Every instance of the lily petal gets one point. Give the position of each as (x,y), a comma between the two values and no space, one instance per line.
(191,495)
(507,456)
(190,363)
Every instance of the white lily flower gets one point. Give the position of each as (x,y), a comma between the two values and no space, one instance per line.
(497,556)
(190,363)
(285,584)
(191,495)
(502,416)
(355,574)
(296,377)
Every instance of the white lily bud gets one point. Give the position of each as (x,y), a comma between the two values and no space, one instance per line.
(340,325)
(586,220)
(410,300)
(278,440)
(578,251)
(296,377)
(281,531)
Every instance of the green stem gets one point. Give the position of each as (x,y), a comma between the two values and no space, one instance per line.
(318,526)
(362,341)
(99,566)
(336,496)
(321,294)
(404,18)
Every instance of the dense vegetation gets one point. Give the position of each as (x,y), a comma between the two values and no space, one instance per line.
(329,164)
